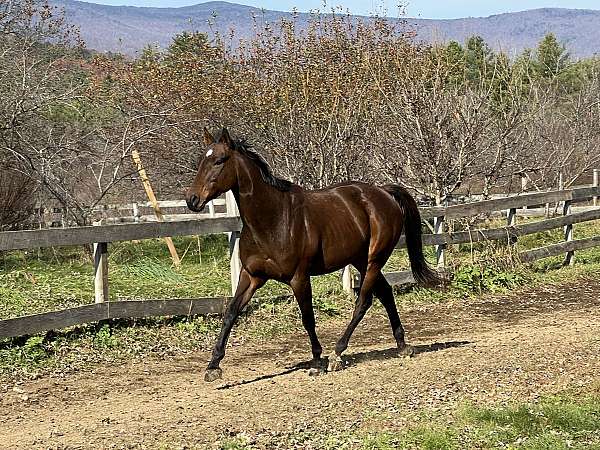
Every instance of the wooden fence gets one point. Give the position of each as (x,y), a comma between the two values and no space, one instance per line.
(173,210)
(231,224)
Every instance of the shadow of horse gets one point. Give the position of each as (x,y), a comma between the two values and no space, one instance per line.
(391,353)
(352,360)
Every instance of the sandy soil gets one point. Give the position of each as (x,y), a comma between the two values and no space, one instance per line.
(498,349)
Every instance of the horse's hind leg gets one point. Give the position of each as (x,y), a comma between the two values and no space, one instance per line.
(363,303)
(385,294)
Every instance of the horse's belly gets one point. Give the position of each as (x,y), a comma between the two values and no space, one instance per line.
(339,246)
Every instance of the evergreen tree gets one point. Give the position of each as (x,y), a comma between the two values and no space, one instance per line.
(454,56)
(551,57)
(455,53)
(194,43)
(524,66)
(478,59)
(501,79)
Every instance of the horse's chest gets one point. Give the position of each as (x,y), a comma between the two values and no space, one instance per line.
(268,259)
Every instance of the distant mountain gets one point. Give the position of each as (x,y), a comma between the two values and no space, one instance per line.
(128,29)
(578,29)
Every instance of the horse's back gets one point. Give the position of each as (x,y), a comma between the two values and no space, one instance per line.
(345,220)
(362,200)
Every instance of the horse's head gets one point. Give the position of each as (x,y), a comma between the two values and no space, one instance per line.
(216,171)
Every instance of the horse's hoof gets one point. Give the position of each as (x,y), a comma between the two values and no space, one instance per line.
(213,374)
(314,372)
(335,364)
(406,351)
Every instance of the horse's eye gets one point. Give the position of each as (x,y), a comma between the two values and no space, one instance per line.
(221,160)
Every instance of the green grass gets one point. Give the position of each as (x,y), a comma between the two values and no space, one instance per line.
(33,282)
(561,422)
(51,279)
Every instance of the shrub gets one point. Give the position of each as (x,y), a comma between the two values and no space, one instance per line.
(16,200)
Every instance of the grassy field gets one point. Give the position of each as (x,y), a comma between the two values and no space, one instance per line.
(50,279)
(554,423)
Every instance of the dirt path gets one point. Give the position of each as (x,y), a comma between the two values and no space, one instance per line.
(494,350)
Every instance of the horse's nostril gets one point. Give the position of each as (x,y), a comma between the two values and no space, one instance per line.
(193,201)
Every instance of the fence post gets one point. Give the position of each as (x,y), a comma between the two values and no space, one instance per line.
(511,220)
(350,281)
(136,212)
(347,282)
(561,182)
(235,264)
(64,217)
(595,184)
(440,250)
(101,272)
(524,183)
(569,256)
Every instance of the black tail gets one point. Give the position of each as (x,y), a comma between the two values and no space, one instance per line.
(422,273)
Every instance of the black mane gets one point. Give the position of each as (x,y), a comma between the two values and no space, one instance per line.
(245,148)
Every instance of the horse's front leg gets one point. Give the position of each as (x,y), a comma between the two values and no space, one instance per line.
(303,293)
(247,286)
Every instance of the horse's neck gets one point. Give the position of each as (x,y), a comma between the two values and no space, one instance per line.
(261,205)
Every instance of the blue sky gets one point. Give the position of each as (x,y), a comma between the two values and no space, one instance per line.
(435,9)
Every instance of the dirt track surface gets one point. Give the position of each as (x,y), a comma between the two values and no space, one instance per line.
(496,350)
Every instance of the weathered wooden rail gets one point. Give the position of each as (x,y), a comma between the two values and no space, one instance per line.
(509,206)
(110,310)
(231,224)
(57,217)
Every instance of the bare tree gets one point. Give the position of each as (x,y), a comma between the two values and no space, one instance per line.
(565,135)
(62,127)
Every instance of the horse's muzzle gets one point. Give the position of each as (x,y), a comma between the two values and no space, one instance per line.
(195,204)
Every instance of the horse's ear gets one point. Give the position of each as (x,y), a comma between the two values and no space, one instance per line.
(207,137)
(226,138)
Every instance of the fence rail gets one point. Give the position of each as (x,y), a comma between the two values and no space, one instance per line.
(100,236)
(54,237)
(109,310)
(510,231)
(173,210)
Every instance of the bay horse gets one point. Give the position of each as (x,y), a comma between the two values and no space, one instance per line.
(290,234)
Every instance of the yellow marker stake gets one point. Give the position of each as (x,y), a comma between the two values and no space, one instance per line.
(150,193)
